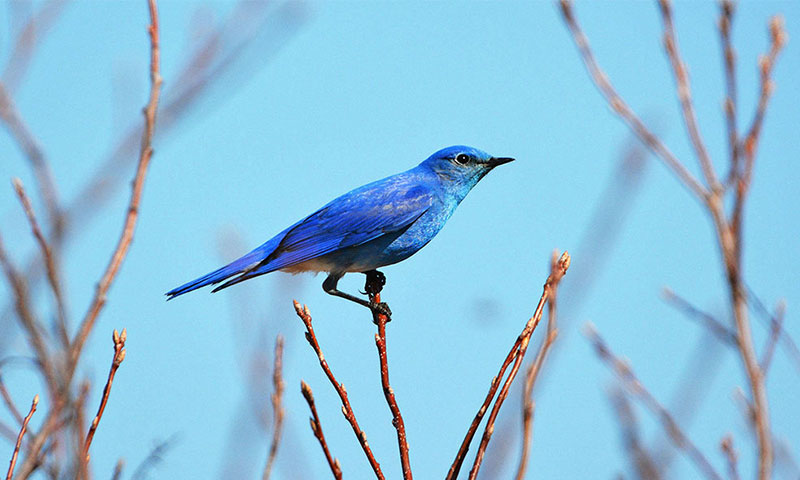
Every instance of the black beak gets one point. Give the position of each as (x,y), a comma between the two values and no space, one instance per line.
(495,161)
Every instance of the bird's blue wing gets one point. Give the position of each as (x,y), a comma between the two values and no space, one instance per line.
(364,214)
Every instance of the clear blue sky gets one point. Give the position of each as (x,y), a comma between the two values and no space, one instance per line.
(363,90)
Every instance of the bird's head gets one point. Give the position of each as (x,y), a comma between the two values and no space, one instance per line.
(461,166)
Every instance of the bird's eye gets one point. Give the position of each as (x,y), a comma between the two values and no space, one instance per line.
(462,159)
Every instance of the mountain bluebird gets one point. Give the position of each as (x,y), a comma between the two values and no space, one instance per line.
(378,224)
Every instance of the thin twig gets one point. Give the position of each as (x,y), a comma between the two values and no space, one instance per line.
(278,413)
(619,106)
(9,402)
(778,39)
(397,418)
(28,320)
(685,95)
(717,328)
(29,36)
(347,410)
(132,216)
(117,475)
(640,458)
(558,270)
(776,327)
(532,374)
(727,8)
(49,262)
(29,145)
(726,445)
(316,427)
(19,437)
(637,389)
(119,356)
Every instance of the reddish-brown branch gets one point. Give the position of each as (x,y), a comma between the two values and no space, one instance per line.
(532,374)
(278,413)
(347,410)
(622,109)
(316,428)
(397,418)
(726,445)
(49,262)
(558,270)
(19,437)
(132,215)
(638,390)
(778,39)
(684,92)
(119,356)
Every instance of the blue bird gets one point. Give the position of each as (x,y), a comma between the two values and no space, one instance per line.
(378,224)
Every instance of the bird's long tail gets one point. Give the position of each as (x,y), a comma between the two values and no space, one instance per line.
(234,268)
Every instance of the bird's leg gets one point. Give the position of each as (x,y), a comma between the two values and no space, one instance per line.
(330,283)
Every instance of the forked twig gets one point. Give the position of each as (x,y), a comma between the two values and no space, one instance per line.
(19,437)
(532,374)
(278,413)
(516,355)
(316,427)
(145,154)
(623,110)
(347,410)
(637,389)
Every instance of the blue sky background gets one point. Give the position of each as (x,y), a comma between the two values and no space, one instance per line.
(363,90)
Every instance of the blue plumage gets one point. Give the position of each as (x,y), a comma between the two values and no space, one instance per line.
(378,224)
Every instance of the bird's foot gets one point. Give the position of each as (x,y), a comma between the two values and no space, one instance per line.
(381,308)
(374,282)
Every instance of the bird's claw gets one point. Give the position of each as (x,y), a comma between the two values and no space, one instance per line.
(381,308)
(374,283)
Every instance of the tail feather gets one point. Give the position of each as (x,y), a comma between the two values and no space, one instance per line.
(234,268)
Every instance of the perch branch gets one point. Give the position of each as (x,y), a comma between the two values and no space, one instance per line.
(397,418)
(347,410)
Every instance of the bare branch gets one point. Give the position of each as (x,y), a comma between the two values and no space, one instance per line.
(727,8)
(637,389)
(277,408)
(723,333)
(9,403)
(532,374)
(119,356)
(19,437)
(28,320)
(622,109)
(641,460)
(726,445)
(776,327)
(685,95)
(347,410)
(132,216)
(397,418)
(49,262)
(316,427)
